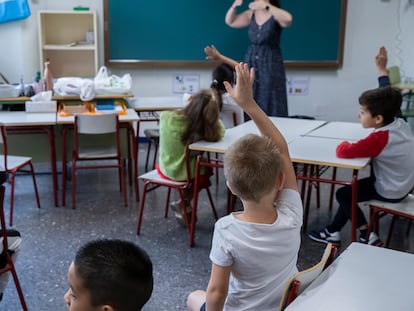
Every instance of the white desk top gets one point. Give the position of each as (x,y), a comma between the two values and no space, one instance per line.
(290,129)
(362,278)
(22,118)
(351,131)
(404,86)
(130,116)
(321,151)
(156,103)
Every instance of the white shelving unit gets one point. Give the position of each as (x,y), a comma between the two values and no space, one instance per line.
(62,41)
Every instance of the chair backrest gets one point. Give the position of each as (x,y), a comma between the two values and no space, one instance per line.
(394,74)
(301,280)
(2,221)
(96,123)
(3,142)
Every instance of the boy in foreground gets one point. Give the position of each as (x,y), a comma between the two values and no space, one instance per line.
(109,275)
(254,252)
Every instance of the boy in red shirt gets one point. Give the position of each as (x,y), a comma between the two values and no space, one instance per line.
(391,146)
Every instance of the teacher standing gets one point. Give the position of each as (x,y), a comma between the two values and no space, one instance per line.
(265,20)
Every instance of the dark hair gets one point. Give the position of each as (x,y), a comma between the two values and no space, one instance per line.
(221,73)
(384,101)
(276,3)
(116,273)
(203,116)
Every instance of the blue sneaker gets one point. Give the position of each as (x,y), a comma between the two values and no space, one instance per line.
(324,236)
(373,240)
(3,177)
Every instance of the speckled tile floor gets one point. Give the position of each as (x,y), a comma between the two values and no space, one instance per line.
(52,235)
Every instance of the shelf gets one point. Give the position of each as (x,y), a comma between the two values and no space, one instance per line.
(65,40)
(69,47)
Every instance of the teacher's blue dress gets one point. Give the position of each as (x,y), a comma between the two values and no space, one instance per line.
(264,54)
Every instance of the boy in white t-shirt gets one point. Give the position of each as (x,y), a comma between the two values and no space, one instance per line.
(254,252)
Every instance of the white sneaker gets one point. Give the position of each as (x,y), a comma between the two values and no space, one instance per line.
(373,239)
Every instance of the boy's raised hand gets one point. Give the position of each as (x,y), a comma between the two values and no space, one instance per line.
(381,60)
(242,93)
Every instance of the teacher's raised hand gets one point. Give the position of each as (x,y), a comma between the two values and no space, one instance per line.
(237,3)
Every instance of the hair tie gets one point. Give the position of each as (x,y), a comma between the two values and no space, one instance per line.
(215,82)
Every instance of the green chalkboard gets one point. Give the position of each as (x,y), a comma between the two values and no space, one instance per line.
(173,33)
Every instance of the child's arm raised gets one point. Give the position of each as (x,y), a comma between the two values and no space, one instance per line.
(214,54)
(243,95)
(381,60)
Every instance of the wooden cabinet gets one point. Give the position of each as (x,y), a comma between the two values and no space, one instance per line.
(68,39)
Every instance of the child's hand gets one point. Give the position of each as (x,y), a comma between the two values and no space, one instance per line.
(243,92)
(381,60)
(211,52)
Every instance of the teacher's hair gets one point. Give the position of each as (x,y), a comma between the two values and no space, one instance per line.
(276,3)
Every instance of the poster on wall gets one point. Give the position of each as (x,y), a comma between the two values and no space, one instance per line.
(297,85)
(12,10)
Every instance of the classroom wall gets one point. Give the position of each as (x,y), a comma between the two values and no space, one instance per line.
(332,95)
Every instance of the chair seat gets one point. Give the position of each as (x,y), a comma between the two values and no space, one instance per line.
(153,176)
(96,153)
(152,133)
(13,165)
(152,180)
(406,206)
(404,209)
(14,162)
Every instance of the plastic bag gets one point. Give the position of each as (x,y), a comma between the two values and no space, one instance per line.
(108,85)
(68,86)
(8,90)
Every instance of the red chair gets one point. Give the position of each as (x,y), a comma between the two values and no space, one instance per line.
(5,253)
(403,209)
(99,155)
(302,279)
(14,165)
(153,136)
(152,180)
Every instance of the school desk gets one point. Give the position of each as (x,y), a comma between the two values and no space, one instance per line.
(155,104)
(321,151)
(20,122)
(126,121)
(148,108)
(404,86)
(290,128)
(61,98)
(351,131)
(304,149)
(362,278)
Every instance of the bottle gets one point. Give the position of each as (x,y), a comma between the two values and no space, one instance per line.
(48,77)
(37,84)
(21,86)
